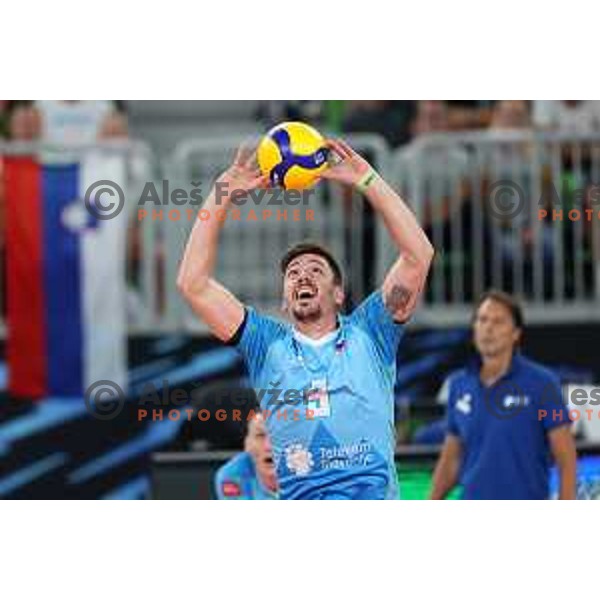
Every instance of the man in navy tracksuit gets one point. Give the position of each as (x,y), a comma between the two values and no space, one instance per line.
(506,416)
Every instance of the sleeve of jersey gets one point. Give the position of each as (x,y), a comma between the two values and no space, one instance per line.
(253,338)
(373,317)
(452,427)
(552,409)
(227,486)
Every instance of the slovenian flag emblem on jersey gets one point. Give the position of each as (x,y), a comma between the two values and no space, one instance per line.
(65,279)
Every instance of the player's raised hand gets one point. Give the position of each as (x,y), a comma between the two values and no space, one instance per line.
(351,168)
(244,173)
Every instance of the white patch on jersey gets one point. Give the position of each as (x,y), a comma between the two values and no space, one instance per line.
(299,460)
(515,401)
(463,404)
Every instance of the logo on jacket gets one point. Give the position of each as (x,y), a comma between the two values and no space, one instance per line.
(515,401)
(298,459)
(463,404)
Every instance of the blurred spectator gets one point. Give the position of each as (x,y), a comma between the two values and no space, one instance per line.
(469,114)
(328,114)
(443,163)
(78,121)
(114,126)
(577,164)
(24,121)
(442,167)
(65,121)
(581,116)
(431,117)
(390,119)
(510,114)
(507,155)
(272,112)
(421,153)
(571,116)
(4,109)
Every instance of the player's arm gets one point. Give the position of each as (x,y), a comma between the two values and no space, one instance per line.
(212,302)
(445,476)
(563,450)
(405,280)
(228,486)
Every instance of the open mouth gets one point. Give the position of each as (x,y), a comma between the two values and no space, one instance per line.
(268,460)
(305,293)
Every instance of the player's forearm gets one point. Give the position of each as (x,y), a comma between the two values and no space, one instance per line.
(200,255)
(445,476)
(564,452)
(567,474)
(444,479)
(404,229)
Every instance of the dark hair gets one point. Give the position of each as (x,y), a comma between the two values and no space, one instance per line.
(508,301)
(312,248)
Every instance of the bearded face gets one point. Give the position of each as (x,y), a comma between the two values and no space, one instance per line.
(310,289)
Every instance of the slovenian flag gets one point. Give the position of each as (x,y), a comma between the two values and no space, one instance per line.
(65,279)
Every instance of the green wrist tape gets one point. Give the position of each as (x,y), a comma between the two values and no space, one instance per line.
(367,180)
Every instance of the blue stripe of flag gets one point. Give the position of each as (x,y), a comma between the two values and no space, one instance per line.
(63,282)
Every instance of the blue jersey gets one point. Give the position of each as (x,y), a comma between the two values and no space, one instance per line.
(503,429)
(237,480)
(328,404)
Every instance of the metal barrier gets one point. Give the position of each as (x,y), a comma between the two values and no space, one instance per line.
(481,197)
(249,251)
(486,234)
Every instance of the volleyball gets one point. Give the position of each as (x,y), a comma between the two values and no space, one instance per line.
(293,154)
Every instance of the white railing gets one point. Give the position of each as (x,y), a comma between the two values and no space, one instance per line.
(481,239)
(249,251)
(479,196)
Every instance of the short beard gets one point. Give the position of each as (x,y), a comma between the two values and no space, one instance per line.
(309,315)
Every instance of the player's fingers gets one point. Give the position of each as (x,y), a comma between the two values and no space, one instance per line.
(254,171)
(244,152)
(262,182)
(331,173)
(251,161)
(347,148)
(337,148)
(238,156)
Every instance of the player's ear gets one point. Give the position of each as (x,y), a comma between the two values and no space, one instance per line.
(339,295)
(517,335)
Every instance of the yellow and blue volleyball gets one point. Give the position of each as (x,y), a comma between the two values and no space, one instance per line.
(293,154)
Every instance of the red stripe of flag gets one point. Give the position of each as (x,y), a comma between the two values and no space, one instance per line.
(26,340)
